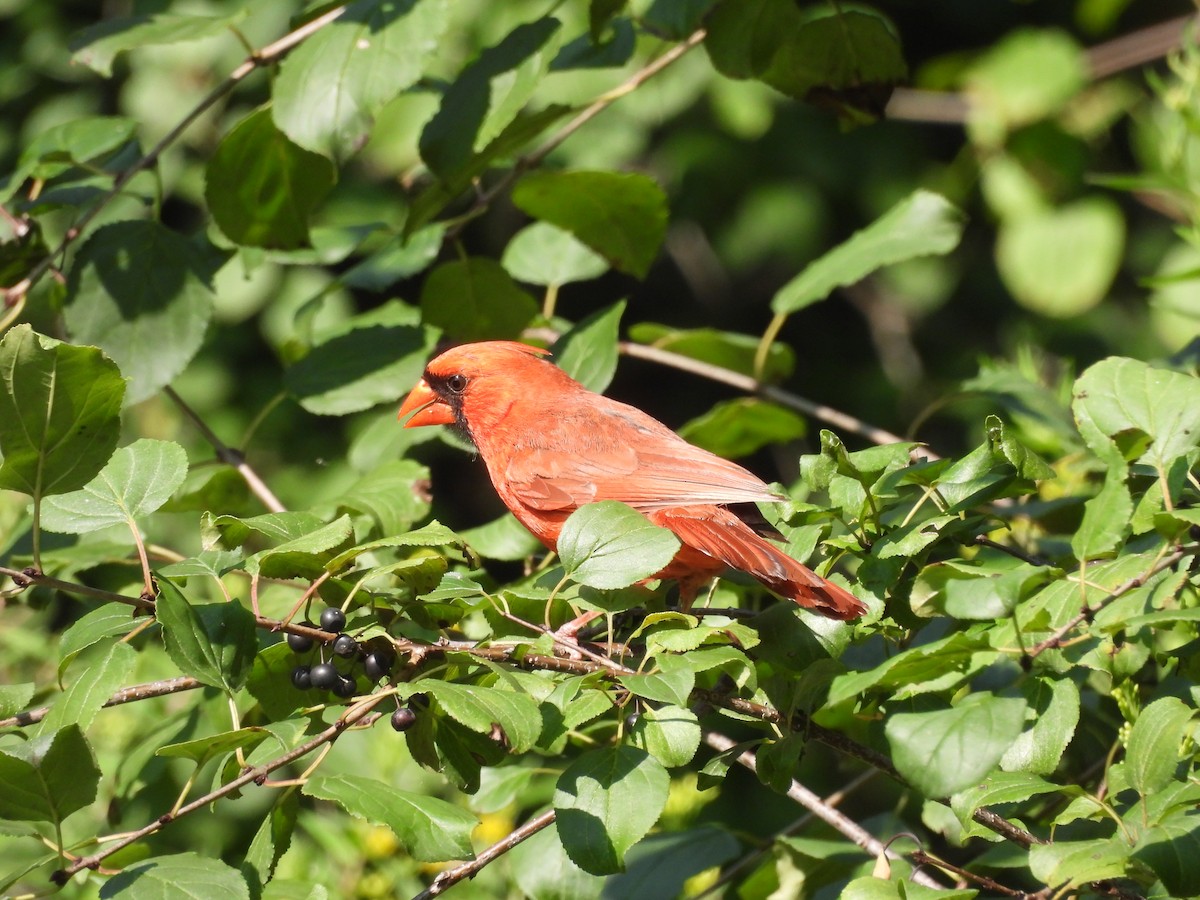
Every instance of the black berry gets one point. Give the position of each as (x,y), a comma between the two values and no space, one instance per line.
(379,664)
(323,676)
(344,687)
(302,678)
(300,643)
(631,720)
(345,645)
(403,719)
(333,619)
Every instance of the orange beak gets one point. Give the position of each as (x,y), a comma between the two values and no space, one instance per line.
(427,408)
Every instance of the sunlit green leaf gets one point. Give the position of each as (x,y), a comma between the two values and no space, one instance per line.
(609,545)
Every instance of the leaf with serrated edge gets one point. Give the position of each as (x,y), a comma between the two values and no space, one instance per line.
(135,482)
(606,801)
(430,829)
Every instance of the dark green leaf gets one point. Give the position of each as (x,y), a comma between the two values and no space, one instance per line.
(588,52)
(332,86)
(504,538)
(542,870)
(671,683)
(272,839)
(142,294)
(48,778)
(609,545)
(402,257)
(262,188)
(482,709)
(214,643)
(659,865)
(369,359)
(726,349)
(475,299)
(472,113)
(59,413)
(76,144)
(966,741)
(1171,849)
(622,216)
(606,801)
(740,427)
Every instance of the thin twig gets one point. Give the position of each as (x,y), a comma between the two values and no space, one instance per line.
(451,877)
(256,775)
(229,456)
(125,695)
(749,384)
(823,811)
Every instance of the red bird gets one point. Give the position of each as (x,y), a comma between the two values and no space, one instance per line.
(551,445)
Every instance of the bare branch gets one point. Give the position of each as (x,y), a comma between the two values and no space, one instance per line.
(451,877)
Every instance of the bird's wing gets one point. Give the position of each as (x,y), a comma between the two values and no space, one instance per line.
(630,457)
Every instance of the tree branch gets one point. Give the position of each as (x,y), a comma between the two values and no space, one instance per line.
(451,877)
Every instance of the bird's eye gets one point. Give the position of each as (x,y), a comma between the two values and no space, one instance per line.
(457,383)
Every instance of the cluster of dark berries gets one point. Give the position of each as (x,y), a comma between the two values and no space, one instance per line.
(325,675)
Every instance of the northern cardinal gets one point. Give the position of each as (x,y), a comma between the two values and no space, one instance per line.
(551,445)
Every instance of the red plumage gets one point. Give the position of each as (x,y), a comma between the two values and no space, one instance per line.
(550,446)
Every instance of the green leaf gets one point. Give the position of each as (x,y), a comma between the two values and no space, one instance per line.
(726,349)
(606,801)
(1117,397)
(1171,849)
(1106,516)
(59,413)
(671,683)
(735,428)
(402,257)
(92,627)
(142,294)
(1061,262)
(622,216)
(659,865)
(431,830)
(395,495)
(481,709)
(1028,75)
(845,58)
(98,45)
(475,299)
(1027,463)
(609,545)
(261,188)
(201,750)
(332,86)
(305,556)
(48,778)
(1152,751)
(270,682)
(273,838)
(542,870)
(90,690)
(1055,703)
(434,534)
(1000,788)
(214,643)
(923,224)
(137,480)
(671,734)
(486,97)
(1068,864)
(540,253)
(80,144)
(14,698)
(182,876)
(965,741)
(588,352)
(231,531)
(366,360)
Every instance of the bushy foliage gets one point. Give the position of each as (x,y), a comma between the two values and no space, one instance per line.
(256,642)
